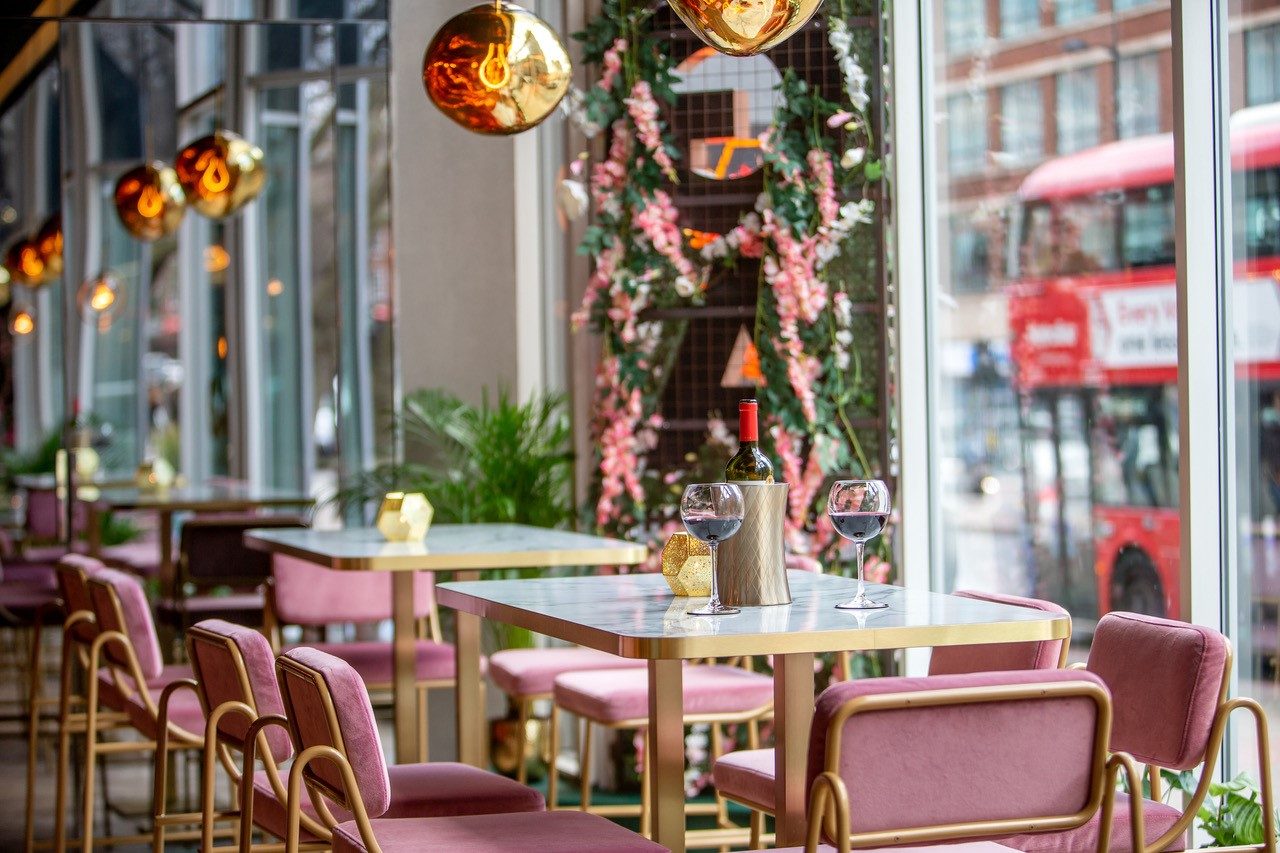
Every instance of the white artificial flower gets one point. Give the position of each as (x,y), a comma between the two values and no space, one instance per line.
(573,198)
(686,286)
(827,252)
(842,359)
(853,157)
(845,337)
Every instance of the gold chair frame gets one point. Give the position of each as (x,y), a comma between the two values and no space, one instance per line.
(727,833)
(829,814)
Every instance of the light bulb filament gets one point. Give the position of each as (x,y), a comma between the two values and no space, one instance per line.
(31,263)
(150,202)
(216,177)
(102,298)
(494,70)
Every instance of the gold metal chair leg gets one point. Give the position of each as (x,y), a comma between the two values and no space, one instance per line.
(64,748)
(646,828)
(90,763)
(757,829)
(552,773)
(722,807)
(423,748)
(522,739)
(33,737)
(584,766)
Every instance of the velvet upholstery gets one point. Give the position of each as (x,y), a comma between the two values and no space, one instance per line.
(43,515)
(995,657)
(31,576)
(331,680)
(109,587)
(213,552)
(963,847)
(308,594)
(23,600)
(214,647)
(956,763)
(1165,679)
(185,713)
(375,660)
(110,694)
(1158,818)
(73,573)
(532,672)
(613,696)
(747,777)
(549,832)
(141,557)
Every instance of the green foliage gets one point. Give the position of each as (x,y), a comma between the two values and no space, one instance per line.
(1232,812)
(116,530)
(500,461)
(39,460)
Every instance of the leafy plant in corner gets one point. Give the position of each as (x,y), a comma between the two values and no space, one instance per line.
(1232,812)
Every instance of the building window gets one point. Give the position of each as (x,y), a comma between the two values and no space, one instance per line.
(1123,5)
(1022,122)
(1019,17)
(1138,95)
(967,136)
(1068,11)
(966,24)
(970,262)
(1079,121)
(1262,65)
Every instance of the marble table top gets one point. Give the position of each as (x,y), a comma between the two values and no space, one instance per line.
(637,616)
(208,497)
(456,547)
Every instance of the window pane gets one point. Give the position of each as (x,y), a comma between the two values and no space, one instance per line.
(1138,95)
(1079,119)
(967,133)
(1019,17)
(1057,368)
(1255,129)
(1073,10)
(965,24)
(1022,122)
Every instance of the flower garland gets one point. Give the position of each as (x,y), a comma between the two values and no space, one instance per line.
(820,170)
(635,239)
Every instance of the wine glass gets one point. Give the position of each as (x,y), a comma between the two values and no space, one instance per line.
(859,510)
(712,512)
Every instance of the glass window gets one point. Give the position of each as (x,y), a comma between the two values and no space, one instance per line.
(1124,5)
(1262,65)
(970,258)
(1078,116)
(967,133)
(1067,11)
(966,24)
(1138,95)
(1022,122)
(1019,17)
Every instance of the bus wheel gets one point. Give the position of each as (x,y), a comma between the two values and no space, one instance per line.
(1135,585)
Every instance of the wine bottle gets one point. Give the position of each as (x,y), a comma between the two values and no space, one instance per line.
(748,464)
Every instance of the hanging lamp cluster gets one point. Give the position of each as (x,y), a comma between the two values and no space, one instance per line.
(36,260)
(216,175)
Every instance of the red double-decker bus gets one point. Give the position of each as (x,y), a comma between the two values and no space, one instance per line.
(1093,320)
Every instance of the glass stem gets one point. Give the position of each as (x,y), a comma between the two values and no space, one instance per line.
(858,547)
(715,580)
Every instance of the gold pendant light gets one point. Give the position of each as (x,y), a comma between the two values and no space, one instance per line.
(744,27)
(22,320)
(150,201)
(25,264)
(496,69)
(100,297)
(220,173)
(49,245)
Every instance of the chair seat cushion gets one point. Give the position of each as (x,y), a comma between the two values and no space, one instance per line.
(374,660)
(202,606)
(141,557)
(438,789)
(542,832)
(747,777)
(19,573)
(613,696)
(964,847)
(185,713)
(23,599)
(532,672)
(1159,818)
(111,697)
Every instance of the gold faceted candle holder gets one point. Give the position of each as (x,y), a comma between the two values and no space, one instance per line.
(154,475)
(405,516)
(686,564)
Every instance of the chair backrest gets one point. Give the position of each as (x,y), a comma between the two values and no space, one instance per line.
(233,663)
(43,520)
(120,604)
(1167,680)
(212,550)
(307,594)
(1001,657)
(982,755)
(327,705)
(73,573)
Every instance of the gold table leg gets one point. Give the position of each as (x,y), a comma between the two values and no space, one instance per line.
(405,666)
(793,712)
(470,698)
(665,773)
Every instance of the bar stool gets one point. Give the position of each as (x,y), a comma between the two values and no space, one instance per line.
(341,762)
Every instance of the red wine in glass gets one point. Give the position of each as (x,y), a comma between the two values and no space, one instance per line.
(711,528)
(712,512)
(859,526)
(859,510)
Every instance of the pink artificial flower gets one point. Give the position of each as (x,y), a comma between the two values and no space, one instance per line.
(644,111)
(840,119)
(612,64)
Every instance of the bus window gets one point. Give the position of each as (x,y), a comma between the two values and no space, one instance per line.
(1135,447)
(1070,237)
(1257,209)
(1148,227)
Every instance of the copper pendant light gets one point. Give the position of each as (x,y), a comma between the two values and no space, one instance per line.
(100,296)
(25,264)
(49,244)
(22,320)
(496,69)
(220,173)
(150,201)
(744,27)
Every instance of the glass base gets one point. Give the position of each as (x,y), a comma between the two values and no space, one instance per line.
(861,602)
(714,609)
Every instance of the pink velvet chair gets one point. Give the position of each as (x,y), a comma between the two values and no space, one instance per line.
(1168,683)
(746,776)
(303,593)
(974,758)
(341,762)
(160,703)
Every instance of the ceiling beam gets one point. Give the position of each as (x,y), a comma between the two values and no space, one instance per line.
(37,48)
